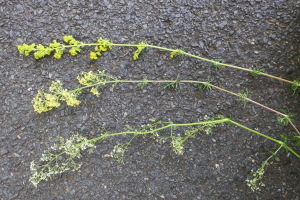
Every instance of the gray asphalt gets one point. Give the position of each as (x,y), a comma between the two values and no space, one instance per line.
(244,33)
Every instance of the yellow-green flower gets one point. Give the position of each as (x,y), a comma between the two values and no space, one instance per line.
(57,55)
(67,38)
(93,56)
(56,87)
(100,48)
(177,51)
(104,43)
(42,51)
(140,47)
(135,56)
(44,102)
(26,49)
(69,98)
(87,78)
(74,50)
(100,40)
(139,50)
(103,48)
(55,44)
(173,53)
(95,91)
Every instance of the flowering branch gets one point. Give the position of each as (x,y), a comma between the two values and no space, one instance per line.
(101,46)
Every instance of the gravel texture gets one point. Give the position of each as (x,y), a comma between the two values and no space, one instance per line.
(215,166)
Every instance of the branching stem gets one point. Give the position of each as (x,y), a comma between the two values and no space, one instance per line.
(182,52)
(170,125)
(188,81)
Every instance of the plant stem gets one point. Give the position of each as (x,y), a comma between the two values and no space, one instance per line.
(188,54)
(266,161)
(291,150)
(136,133)
(173,125)
(212,61)
(274,153)
(263,135)
(258,133)
(279,113)
(294,126)
(188,81)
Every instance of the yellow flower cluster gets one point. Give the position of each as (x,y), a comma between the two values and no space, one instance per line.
(177,51)
(74,50)
(140,47)
(95,91)
(42,51)
(69,98)
(44,102)
(173,53)
(26,49)
(92,79)
(69,39)
(87,78)
(56,87)
(93,56)
(103,44)
(59,49)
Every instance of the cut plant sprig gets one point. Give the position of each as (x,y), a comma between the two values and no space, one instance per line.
(101,46)
(252,183)
(71,148)
(260,172)
(44,102)
(62,157)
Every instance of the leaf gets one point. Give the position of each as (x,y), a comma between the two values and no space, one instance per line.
(273,154)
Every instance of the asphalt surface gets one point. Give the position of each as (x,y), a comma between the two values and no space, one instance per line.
(244,33)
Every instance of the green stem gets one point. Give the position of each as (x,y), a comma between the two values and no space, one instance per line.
(188,81)
(187,137)
(291,150)
(164,127)
(266,161)
(188,54)
(137,133)
(263,135)
(175,125)
(274,153)
(258,133)
(130,141)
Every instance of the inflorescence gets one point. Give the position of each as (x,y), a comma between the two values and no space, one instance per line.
(72,147)
(102,45)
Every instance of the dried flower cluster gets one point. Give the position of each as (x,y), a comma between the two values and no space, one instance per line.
(71,148)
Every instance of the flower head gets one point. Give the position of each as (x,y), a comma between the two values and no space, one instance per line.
(140,47)
(26,49)
(93,56)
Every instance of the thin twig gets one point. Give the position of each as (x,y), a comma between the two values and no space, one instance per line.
(126,53)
